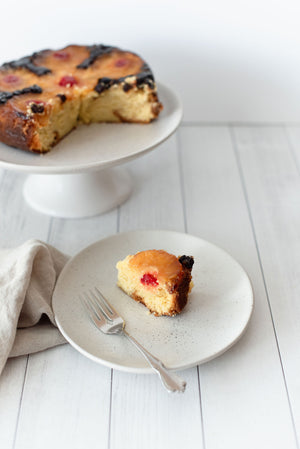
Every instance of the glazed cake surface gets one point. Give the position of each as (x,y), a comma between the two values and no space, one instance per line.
(158,279)
(45,95)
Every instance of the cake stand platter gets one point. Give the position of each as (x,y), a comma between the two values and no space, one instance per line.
(81,177)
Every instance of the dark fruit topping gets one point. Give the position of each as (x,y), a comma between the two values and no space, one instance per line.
(103,84)
(95,52)
(11,79)
(127,87)
(145,77)
(36,106)
(63,55)
(28,62)
(62,97)
(34,89)
(142,78)
(149,279)
(187,261)
(68,81)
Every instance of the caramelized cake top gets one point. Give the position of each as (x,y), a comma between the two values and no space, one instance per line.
(45,95)
(74,67)
(156,265)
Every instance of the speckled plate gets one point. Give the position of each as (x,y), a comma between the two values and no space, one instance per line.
(217,313)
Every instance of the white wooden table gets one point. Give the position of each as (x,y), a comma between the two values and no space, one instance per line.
(238,187)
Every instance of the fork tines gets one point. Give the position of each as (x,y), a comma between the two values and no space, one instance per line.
(96,303)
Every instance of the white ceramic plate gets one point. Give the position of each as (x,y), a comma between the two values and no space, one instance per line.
(99,145)
(217,313)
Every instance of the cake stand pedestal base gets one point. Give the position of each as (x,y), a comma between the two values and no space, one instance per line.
(78,195)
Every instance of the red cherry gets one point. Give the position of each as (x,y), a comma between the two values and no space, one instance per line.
(63,55)
(36,106)
(68,81)
(121,62)
(11,79)
(149,279)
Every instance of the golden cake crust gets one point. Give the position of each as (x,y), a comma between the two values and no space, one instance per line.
(157,279)
(165,265)
(45,95)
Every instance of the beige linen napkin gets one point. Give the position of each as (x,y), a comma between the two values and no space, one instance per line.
(27,278)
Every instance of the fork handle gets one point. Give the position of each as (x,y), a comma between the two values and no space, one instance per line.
(170,380)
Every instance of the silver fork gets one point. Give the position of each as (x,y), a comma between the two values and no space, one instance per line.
(105,318)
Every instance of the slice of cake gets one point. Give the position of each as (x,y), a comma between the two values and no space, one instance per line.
(159,280)
(45,95)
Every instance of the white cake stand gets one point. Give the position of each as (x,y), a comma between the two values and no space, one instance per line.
(80,177)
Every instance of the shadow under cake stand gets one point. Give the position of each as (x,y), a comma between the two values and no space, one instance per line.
(80,176)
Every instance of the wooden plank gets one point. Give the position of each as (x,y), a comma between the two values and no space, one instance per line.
(243,392)
(11,388)
(272,180)
(293,136)
(2,173)
(71,236)
(143,414)
(65,402)
(18,221)
(65,391)
(156,201)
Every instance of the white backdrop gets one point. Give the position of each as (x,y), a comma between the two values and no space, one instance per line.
(230,60)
